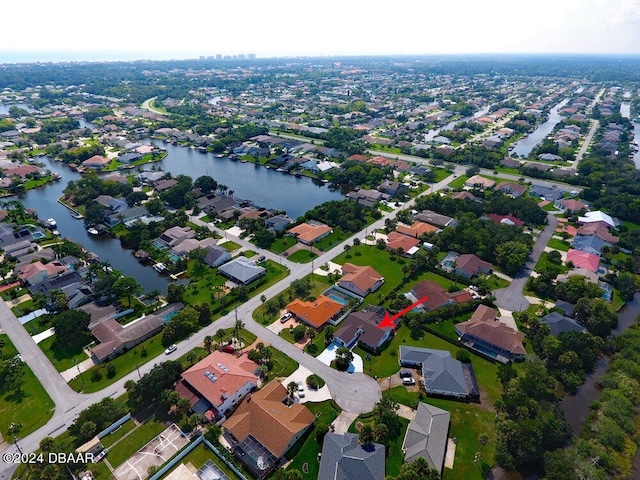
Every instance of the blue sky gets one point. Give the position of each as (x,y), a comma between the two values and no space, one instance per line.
(131,29)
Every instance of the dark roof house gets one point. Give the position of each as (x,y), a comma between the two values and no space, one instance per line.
(343,458)
(427,436)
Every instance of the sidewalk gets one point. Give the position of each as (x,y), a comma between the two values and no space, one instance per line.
(72,372)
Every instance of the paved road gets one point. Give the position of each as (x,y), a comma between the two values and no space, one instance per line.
(511,298)
(355,393)
(147,106)
(586,143)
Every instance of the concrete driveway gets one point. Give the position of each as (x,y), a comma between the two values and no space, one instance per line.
(300,377)
(329,354)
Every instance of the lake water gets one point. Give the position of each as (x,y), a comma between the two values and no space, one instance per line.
(4,107)
(525,146)
(266,187)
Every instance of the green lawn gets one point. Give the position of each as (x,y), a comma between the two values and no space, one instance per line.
(468,421)
(279,245)
(387,362)
(302,256)
(307,448)
(459,182)
(63,356)
(125,364)
(441,174)
(332,239)
(230,246)
(138,438)
(281,365)
(558,244)
(113,437)
(24,308)
(32,406)
(545,263)
(199,456)
(38,325)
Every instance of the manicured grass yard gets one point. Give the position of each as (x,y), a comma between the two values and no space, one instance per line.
(332,239)
(279,245)
(32,406)
(62,356)
(118,434)
(387,363)
(307,448)
(230,246)
(302,256)
(125,364)
(138,438)
(282,366)
(468,421)
(558,244)
(544,263)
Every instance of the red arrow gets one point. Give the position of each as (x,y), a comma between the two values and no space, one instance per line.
(388,322)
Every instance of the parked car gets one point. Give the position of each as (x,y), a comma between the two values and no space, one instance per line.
(408,381)
(285,317)
(261,258)
(228,349)
(171,349)
(405,374)
(100,456)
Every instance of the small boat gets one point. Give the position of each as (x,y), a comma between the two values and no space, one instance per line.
(93,231)
(78,216)
(56,233)
(51,223)
(160,267)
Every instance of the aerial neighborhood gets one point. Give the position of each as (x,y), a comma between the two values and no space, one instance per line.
(309,268)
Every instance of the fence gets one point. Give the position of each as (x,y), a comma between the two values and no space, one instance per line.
(185,451)
(114,426)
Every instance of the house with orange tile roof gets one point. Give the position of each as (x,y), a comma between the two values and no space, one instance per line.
(360,280)
(217,383)
(484,333)
(310,232)
(409,245)
(97,161)
(318,312)
(264,428)
(417,229)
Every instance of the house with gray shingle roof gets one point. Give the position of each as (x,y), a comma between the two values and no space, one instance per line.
(343,458)
(427,436)
(442,374)
(242,270)
(558,323)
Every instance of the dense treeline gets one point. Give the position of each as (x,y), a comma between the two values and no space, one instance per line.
(607,446)
(359,174)
(524,208)
(91,186)
(349,216)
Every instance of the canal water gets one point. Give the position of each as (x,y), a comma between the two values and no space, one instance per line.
(576,407)
(625,111)
(265,187)
(525,146)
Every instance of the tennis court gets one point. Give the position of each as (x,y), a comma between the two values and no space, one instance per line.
(164,446)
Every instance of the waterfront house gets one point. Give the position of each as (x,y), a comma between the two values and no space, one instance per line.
(558,323)
(217,383)
(97,161)
(343,457)
(37,272)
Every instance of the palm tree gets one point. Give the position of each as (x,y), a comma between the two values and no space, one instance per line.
(238,330)
(208,342)
(292,388)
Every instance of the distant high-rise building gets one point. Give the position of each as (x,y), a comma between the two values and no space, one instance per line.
(201,57)
(218,56)
(251,56)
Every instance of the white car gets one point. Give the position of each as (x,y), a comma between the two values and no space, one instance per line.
(100,456)
(171,349)
(408,381)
